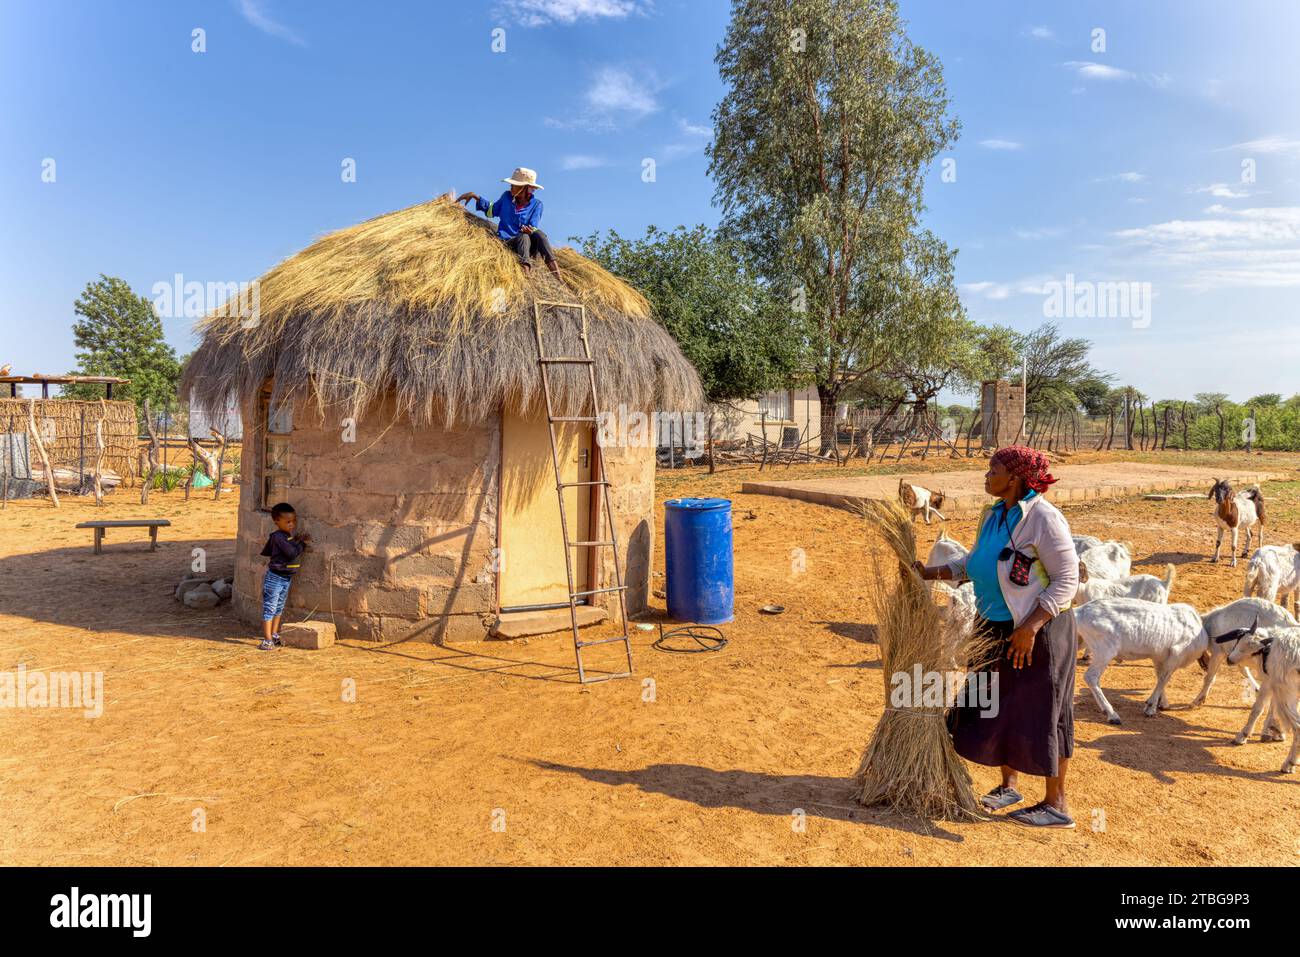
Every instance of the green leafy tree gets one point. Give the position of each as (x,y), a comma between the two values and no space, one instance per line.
(120,334)
(821,144)
(742,340)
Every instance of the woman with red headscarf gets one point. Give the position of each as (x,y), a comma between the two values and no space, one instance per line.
(1025,572)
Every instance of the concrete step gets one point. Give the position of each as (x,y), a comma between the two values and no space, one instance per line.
(521,624)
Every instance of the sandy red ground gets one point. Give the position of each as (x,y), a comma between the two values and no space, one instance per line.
(491,753)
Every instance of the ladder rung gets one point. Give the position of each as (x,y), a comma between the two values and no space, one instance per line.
(573,484)
(601,641)
(582,544)
(562,359)
(574,418)
(599,591)
(621,674)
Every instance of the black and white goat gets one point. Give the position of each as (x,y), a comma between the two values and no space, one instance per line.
(1276,651)
(1235,511)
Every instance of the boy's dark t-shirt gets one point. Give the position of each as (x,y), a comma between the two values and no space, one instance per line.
(283,552)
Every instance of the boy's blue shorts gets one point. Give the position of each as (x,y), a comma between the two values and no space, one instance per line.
(275,590)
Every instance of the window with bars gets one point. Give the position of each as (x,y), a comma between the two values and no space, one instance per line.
(276,423)
(777,405)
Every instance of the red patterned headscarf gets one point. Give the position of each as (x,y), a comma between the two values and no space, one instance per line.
(1030,464)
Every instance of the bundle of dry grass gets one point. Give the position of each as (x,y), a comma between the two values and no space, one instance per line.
(428,303)
(910,764)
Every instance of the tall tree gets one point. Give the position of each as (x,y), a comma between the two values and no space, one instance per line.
(1053,363)
(120,334)
(819,152)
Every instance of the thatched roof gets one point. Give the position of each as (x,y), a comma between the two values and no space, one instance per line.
(426,303)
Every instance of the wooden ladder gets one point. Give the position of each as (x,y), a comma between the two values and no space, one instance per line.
(599,485)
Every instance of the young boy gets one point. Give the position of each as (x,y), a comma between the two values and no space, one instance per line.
(284,549)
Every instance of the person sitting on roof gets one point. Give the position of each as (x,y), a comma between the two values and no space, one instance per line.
(518,212)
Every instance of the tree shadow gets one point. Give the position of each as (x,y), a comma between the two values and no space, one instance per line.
(829,798)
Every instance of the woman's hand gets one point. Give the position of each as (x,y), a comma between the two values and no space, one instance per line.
(1021,649)
(919,567)
(1021,642)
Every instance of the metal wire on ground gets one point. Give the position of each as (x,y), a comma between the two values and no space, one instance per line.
(706,637)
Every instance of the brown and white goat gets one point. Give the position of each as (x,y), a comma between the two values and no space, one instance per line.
(1244,509)
(921,500)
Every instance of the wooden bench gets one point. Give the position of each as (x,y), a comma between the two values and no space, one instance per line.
(153,524)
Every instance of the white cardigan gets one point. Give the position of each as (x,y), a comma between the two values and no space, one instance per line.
(1054,576)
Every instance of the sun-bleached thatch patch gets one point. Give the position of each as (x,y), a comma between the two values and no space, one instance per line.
(427,303)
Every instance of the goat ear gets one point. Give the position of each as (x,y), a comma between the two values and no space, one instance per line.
(1254,625)
(1083,572)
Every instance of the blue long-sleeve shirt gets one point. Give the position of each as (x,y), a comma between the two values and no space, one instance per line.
(509,218)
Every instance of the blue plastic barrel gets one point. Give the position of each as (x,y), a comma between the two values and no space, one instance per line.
(697,559)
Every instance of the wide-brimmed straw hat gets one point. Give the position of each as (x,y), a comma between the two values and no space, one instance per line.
(523,176)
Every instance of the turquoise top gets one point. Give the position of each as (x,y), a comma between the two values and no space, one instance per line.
(982,563)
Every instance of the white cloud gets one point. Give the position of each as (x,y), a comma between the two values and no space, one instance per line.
(1043,232)
(1128,176)
(537,13)
(694,129)
(1223,191)
(1088,70)
(1259,246)
(1269,144)
(255,12)
(997,291)
(1040,33)
(1000,144)
(615,97)
(580,161)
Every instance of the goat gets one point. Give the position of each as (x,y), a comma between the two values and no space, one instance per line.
(1109,560)
(1127,629)
(1144,587)
(1274,574)
(1278,651)
(1245,509)
(921,501)
(1234,616)
(1084,542)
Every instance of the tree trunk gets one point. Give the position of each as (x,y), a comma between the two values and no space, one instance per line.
(1182,413)
(40,450)
(1218,410)
(97,485)
(147,481)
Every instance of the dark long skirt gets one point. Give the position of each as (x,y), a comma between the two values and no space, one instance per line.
(1034,722)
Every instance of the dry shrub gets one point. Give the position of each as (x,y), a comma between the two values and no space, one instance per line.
(910,764)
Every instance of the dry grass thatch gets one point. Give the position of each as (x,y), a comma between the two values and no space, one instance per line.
(910,764)
(427,302)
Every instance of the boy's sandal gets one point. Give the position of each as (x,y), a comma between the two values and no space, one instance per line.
(1042,815)
(1001,797)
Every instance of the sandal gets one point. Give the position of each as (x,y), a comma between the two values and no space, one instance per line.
(1042,815)
(1001,797)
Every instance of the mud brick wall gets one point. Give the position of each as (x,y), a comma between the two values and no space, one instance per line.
(404,523)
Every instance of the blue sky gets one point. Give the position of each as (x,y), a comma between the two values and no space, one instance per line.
(1122,164)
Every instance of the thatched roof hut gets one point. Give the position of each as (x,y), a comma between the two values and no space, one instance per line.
(390,391)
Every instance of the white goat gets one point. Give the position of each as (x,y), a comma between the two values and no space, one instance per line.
(1245,510)
(1274,573)
(1127,629)
(1108,560)
(921,500)
(1144,587)
(1084,542)
(1277,651)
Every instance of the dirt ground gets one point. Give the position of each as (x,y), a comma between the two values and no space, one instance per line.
(211,752)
